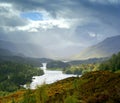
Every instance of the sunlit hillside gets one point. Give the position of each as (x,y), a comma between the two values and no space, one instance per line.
(103,49)
(93,87)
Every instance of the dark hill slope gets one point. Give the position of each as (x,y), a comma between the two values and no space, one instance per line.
(5,52)
(7,55)
(26,49)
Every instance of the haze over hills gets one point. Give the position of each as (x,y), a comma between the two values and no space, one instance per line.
(105,48)
(19,53)
(23,49)
(36,50)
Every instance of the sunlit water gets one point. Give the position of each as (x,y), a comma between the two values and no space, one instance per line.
(48,77)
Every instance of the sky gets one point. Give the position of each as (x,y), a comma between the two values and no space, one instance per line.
(62,27)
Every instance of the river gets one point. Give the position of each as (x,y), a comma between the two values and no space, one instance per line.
(49,76)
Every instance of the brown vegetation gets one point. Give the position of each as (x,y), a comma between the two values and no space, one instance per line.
(93,87)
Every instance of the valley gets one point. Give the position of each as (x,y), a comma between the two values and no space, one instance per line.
(59,51)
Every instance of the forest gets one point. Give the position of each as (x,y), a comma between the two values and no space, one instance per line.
(112,64)
(14,75)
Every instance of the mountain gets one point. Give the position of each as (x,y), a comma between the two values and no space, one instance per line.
(14,53)
(88,61)
(45,60)
(7,45)
(105,48)
(7,55)
(5,52)
(26,49)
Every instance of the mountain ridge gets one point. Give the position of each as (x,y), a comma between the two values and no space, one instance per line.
(26,49)
(105,48)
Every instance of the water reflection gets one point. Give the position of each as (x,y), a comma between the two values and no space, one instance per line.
(49,77)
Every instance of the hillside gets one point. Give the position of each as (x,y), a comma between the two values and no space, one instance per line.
(7,55)
(103,49)
(93,87)
(5,52)
(9,52)
(23,49)
(87,61)
(57,65)
(14,75)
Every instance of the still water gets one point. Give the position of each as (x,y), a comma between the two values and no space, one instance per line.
(49,76)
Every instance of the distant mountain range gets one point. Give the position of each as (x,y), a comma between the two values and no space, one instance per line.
(88,61)
(105,48)
(21,53)
(6,55)
(5,52)
(23,49)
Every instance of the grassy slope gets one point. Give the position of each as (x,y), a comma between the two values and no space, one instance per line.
(93,87)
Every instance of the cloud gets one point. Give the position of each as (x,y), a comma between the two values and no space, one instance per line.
(106,1)
(59,25)
(9,17)
(36,26)
(91,34)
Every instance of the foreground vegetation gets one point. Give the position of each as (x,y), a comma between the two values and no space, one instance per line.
(100,83)
(93,87)
(81,69)
(112,64)
(14,75)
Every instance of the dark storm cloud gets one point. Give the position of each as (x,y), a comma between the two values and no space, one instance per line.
(84,22)
(102,8)
(12,22)
(104,16)
(36,4)
(56,5)
(9,16)
(107,11)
